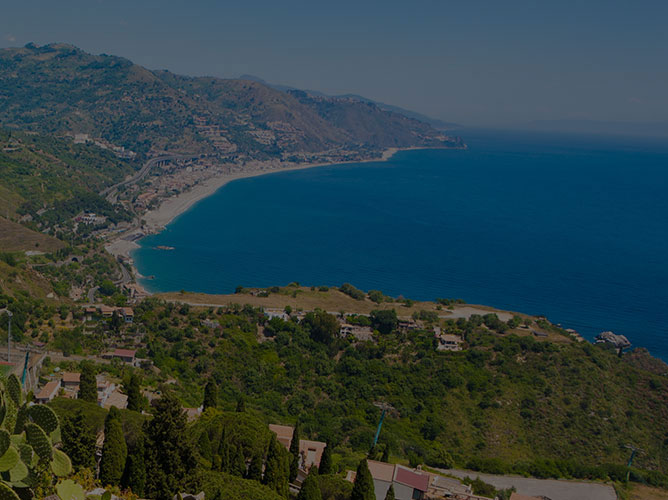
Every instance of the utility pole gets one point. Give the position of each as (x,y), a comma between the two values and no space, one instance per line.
(634,452)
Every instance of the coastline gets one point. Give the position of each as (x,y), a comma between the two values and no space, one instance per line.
(157,219)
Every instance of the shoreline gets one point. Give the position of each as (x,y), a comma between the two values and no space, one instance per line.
(157,219)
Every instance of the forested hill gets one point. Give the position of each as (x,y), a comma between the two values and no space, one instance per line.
(59,88)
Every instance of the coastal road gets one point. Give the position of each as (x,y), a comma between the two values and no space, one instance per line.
(551,488)
(110,192)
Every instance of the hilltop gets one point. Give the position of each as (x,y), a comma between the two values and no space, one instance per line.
(60,89)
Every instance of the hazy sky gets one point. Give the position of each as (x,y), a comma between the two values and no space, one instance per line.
(470,61)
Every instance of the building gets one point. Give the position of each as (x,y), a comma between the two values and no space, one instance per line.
(448,342)
(70,380)
(48,392)
(408,484)
(362,333)
(117,399)
(125,355)
(104,389)
(128,314)
(310,452)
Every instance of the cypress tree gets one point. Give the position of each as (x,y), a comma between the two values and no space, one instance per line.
(88,384)
(114,450)
(326,460)
(134,476)
(255,467)
(310,488)
(204,445)
(238,467)
(210,395)
(133,391)
(224,453)
(294,453)
(390,493)
(363,487)
(275,471)
(78,441)
(386,454)
(170,458)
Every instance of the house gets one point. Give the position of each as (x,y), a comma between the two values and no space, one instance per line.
(408,484)
(106,311)
(407,325)
(448,342)
(48,392)
(128,314)
(517,496)
(125,355)
(70,380)
(104,389)
(91,313)
(117,399)
(310,452)
(362,333)
(283,433)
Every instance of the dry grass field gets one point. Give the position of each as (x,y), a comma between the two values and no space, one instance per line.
(15,238)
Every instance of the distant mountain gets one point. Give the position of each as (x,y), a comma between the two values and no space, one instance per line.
(60,89)
(434,122)
(646,129)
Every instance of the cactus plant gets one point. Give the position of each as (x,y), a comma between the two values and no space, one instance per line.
(44,417)
(14,389)
(69,490)
(27,438)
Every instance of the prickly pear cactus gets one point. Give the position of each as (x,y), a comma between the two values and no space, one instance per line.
(28,434)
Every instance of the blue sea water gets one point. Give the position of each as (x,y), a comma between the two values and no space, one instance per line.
(572,227)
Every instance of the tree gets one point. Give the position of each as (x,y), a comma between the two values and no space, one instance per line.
(210,395)
(294,453)
(78,441)
(363,487)
(88,384)
(386,454)
(204,446)
(276,469)
(239,463)
(224,463)
(326,460)
(107,288)
(255,468)
(134,476)
(170,458)
(114,450)
(116,321)
(133,391)
(241,404)
(390,493)
(384,321)
(310,489)
(322,326)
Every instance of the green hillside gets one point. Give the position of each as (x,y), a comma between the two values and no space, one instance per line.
(58,88)
(506,403)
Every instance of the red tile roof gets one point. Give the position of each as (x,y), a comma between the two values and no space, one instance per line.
(410,478)
(125,353)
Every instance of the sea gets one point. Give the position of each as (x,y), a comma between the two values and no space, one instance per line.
(571,227)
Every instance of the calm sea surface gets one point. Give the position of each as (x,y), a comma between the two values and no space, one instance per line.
(572,227)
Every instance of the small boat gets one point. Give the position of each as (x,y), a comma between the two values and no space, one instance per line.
(163,247)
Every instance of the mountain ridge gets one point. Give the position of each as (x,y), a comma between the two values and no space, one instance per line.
(61,89)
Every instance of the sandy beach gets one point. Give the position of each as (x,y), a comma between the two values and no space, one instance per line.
(155,220)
